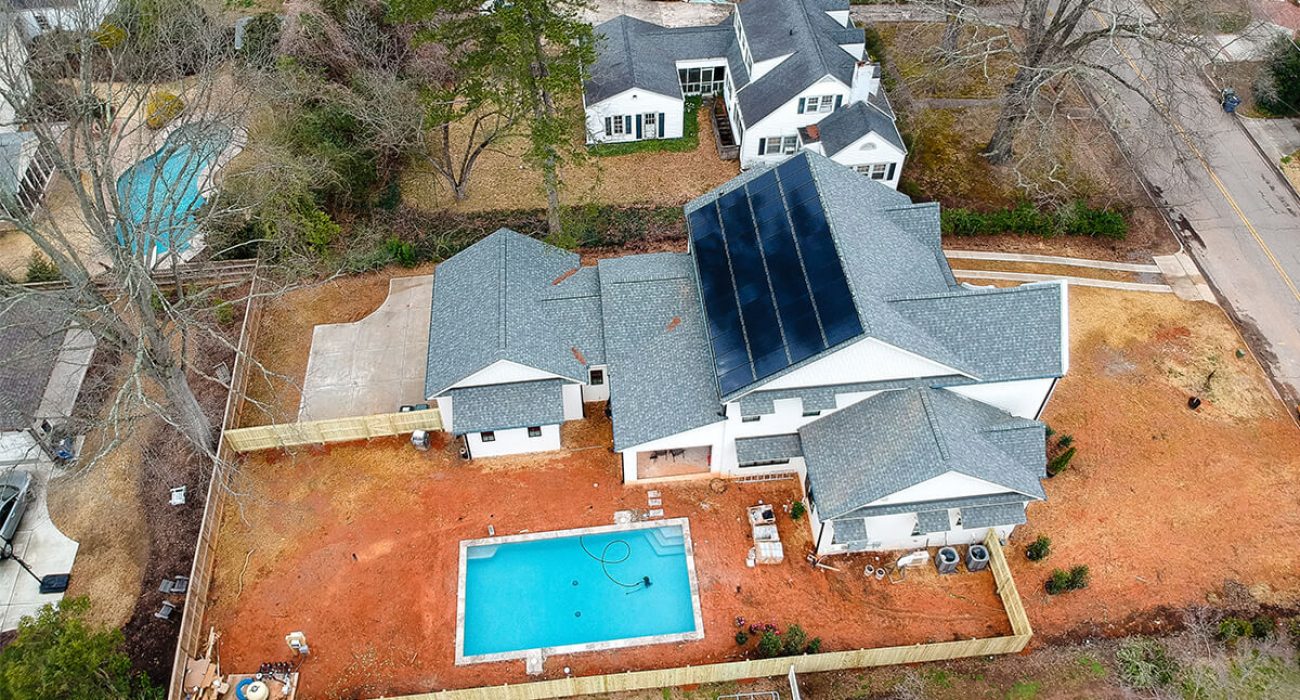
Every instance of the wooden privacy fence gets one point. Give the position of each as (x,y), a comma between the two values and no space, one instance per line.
(319,432)
(189,643)
(758,668)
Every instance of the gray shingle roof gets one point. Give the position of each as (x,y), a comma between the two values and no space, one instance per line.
(995,499)
(768,448)
(898,439)
(843,127)
(849,531)
(507,297)
(661,373)
(993,516)
(503,406)
(933,521)
(31,335)
(633,53)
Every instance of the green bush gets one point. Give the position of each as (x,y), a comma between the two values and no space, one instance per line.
(1080,577)
(318,229)
(1277,89)
(58,654)
(1058,582)
(793,641)
(814,646)
(402,253)
(797,510)
(1025,219)
(161,108)
(1039,548)
(1145,664)
(769,645)
(742,638)
(1232,629)
(224,312)
(42,269)
(262,40)
(1060,462)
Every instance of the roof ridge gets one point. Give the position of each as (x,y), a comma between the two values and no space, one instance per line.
(963,291)
(503,299)
(933,419)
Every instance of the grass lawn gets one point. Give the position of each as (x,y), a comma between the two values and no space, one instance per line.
(501,179)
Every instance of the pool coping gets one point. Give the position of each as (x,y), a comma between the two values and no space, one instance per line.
(693,635)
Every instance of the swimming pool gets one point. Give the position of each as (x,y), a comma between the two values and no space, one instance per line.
(577,590)
(159,194)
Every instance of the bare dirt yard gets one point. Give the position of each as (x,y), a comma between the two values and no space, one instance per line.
(502,180)
(357,545)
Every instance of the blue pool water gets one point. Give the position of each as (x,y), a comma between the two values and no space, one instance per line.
(159,194)
(551,593)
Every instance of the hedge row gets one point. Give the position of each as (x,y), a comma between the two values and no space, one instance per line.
(1077,219)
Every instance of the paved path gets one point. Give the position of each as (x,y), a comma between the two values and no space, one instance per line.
(1050,260)
(1076,281)
(1238,218)
(39,543)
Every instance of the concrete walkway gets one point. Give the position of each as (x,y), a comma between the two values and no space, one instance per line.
(1050,260)
(665,14)
(374,365)
(1077,281)
(39,543)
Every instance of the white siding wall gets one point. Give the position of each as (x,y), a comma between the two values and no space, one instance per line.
(633,102)
(571,394)
(1022,398)
(444,411)
(943,487)
(513,442)
(84,14)
(870,150)
(894,533)
(710,436)
(504,372)
(785,121)
(867,360)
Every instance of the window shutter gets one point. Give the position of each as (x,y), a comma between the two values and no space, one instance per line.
(839,99)
(890,175)
(660,122)
(609,126)
(638,126)
(803,104)
(627,124)
(762,146)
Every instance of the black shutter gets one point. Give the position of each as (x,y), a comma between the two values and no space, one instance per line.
(660,121)
(638,126)
(609,126)
(762,146)
(803,101)
(627,124)
(890,174)
(839,99)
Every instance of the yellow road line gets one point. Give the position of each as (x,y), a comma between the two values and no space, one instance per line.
(1214,177)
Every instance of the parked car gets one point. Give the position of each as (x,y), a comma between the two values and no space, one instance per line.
(15,494)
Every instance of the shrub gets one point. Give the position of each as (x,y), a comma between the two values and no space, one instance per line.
(1058,583)
(401,252)
(261,40)
(42,269)
(793,641)
(1277,89)
(58,654)
(224,312)
(110,35)
(1039,548)
(1261,626)
(318,229)
(161,108)
(742,638)
(1145,664)
(1081,220)
(1077,219)
(769,645)
(1064,441)
(1060,462)
(797,510)
(1079,577)
(814,646)
(1233,628)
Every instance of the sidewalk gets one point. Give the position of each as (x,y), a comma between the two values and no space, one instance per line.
(1276,138)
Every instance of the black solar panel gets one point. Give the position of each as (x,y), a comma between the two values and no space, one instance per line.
(774,290)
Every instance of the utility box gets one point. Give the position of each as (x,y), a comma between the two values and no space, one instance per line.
(977,557)
(946,560)
(420,440)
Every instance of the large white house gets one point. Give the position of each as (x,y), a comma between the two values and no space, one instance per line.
(813,328)
(787,75)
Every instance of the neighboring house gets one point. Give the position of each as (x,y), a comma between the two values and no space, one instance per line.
(24,169)
(36,17)
(42,365)
(813,327)
(787,75)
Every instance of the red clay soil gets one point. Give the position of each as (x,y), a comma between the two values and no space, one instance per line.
(358,547)
(1168,507)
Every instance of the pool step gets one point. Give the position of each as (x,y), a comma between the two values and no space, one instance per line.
(666,542)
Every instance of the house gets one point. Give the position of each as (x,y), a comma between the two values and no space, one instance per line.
(785,75)
(24,169)
(812,329)
(36,17)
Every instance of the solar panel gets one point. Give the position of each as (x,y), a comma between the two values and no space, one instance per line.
(773,287)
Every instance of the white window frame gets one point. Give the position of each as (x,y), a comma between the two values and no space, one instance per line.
(617,126)
(650,125)
(780,145)
(875,171)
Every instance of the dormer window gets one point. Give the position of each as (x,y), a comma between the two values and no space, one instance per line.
(823,104)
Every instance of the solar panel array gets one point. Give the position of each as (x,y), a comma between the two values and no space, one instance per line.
(774,290)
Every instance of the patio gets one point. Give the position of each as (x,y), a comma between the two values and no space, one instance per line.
(306,553)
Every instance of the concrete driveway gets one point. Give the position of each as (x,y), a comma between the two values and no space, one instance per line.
(665,14)
(374,365)
(39,543)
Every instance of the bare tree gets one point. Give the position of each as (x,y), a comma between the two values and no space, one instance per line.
(131,121)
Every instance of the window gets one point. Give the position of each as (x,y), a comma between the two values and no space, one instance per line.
(750,419)
(534,431)
(775,145)
(708,80)
(810,414)
(42,22)
(821,104)
(876,171)
(596,377)
(488,436)
(615,126)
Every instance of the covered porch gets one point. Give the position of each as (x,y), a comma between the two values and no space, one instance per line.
(671,463)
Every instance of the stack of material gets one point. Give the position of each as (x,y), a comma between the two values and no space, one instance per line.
(767,541)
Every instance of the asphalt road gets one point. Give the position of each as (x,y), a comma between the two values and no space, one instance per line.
(1235,213)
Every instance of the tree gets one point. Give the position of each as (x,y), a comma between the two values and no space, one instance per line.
(1063,39)
(1278,87)
(59,655)
(116,233)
